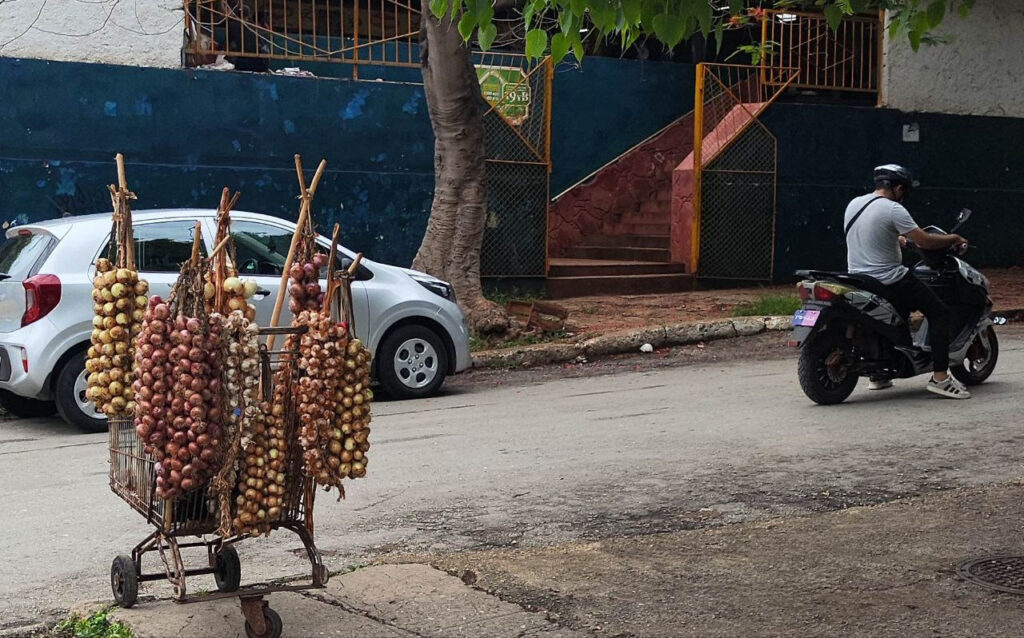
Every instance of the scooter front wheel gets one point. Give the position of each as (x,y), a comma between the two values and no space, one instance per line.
(827,369)
(981,359)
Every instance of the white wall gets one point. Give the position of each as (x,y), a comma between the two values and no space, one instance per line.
(131,32)
(981,72)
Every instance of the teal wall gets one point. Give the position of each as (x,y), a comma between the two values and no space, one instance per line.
(826,154)
(188,133)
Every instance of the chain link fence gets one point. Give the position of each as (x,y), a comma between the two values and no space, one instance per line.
(517,141)
(736,162)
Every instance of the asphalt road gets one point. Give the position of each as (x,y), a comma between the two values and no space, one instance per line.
(537,461)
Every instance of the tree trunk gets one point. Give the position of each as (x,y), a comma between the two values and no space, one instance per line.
(455,231)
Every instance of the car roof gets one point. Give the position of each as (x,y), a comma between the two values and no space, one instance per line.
(137,215)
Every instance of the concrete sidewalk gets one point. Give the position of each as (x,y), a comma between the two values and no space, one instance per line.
(386,601)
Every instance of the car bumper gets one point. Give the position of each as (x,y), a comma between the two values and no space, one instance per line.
(455,323)
(13,376)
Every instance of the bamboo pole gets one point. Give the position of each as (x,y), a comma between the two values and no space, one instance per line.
(332,260)
(197,240)
(306,195)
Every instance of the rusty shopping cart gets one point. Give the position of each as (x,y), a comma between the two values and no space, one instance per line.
(191,521)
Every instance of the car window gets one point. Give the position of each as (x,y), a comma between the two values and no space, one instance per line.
(260,249)
(163,246)
(20,254)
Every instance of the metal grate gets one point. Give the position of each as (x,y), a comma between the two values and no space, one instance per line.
(1001,573)
(376,32)
(735,172)
(847,59)
(517,144)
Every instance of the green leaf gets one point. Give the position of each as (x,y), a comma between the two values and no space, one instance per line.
(735,7)
(439,8)
(578,7)
(936,12)
(577,48)
(834,16)
(603,15)
(670,28)
(528,10)
(536,43)
(719,36)
(631,11)
(915,39)
(486,35)
(705,16)
(466,25)
(560,44)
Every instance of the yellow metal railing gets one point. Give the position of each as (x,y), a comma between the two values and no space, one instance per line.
(377,32)
(847,59)
(728,101)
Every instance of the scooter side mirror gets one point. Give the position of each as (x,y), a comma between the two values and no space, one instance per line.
(964,215)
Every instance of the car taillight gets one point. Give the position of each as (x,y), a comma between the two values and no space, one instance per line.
(804,290)
(42,294)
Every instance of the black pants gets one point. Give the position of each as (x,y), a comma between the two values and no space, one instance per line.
(910,294)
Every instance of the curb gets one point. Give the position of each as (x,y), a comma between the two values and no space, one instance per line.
(677,334)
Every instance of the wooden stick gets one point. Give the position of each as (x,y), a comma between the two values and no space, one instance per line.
(220,247)
(305,195)
(196,242)
(122,181)
(332,258)
(355,264)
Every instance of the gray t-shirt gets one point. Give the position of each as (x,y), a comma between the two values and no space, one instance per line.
(873,244)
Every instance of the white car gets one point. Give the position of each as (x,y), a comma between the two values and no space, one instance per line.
(408,319)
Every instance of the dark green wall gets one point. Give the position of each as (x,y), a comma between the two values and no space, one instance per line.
(826,154)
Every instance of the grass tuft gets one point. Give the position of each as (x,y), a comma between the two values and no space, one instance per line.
(768,305)
(95,626)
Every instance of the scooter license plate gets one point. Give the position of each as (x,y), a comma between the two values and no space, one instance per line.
(806,317)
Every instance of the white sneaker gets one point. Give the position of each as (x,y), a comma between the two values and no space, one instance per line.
(879,384)
(949,388)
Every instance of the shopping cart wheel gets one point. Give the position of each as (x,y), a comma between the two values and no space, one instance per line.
(124,581)
(273,622)
(228,572)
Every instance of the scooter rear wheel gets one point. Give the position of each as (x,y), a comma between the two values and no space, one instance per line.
(827,370)
(981,359)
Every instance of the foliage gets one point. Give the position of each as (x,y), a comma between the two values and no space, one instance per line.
(768,305)
(95,626)
(672,21)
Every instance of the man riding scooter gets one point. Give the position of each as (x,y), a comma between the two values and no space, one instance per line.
(877,225)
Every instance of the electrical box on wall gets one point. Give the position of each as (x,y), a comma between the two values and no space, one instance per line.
(912,132)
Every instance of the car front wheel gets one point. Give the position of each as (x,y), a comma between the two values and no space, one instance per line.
(412,362)
(72,403)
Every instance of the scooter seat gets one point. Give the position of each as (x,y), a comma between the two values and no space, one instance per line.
(864,282)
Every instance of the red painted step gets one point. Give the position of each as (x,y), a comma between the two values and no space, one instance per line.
(621,253)
(627,241)
(562,267)
(562,287)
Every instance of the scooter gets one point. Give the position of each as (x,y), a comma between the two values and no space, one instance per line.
(847,328)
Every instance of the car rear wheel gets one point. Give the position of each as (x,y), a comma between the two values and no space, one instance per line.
(412,363)
(24,407)
(69,394)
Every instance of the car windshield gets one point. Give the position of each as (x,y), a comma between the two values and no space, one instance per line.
(20,254)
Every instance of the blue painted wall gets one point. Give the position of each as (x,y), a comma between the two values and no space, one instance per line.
(188,133)
(826,154)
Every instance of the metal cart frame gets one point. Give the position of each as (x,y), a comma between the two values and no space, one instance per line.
(195,514)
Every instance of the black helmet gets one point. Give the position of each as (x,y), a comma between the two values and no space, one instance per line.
(890,175)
